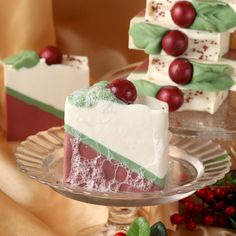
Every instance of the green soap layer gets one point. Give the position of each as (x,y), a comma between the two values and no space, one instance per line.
(113,155)
(31,101)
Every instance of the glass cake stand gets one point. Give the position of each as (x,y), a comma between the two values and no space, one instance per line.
(220,127)
(194,163)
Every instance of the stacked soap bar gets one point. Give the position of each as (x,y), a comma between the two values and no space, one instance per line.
(186,42)
(36,88)
(96,120)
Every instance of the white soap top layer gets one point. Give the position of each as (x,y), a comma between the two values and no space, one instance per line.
(138,132)
(202,45)
(158,12)
(158,69)
(49,84)
(193,100)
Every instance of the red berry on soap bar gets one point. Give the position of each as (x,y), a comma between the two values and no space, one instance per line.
(124,90)
(171,95)
(120,234)
(181,71)
(52,55)
(175,43)
(183,14)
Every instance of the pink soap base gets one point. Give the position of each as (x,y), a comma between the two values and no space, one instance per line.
(85,167)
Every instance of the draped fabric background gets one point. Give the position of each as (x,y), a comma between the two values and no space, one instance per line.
(98,29)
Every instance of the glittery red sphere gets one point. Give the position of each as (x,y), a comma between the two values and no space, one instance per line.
(183,14)
(191,225)
(230,210)
(209,219)
(177,219)
(181,71)
(124,90)
(171,95)
(175,43)
(52,55)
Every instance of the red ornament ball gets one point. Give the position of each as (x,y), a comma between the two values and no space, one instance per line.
(177,219)
(52,55)
(181,71)
(209,197)
(175,43)
(191,225)
(201,193)
(183,14)
(230,210)
(220,192)
(171,95)
(124,90)
(120,234)
(209,219)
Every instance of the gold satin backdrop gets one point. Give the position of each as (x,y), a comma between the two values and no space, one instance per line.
(98,29)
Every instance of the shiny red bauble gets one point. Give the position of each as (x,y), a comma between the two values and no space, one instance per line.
(175,43)
(230,210)
(191,225)
(181,71)
(183,14)
(171,95)
(177,219)
(52,55)
(201,193)
(209,219)
(124,90)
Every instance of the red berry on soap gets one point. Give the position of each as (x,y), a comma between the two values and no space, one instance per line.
(52,55)
(171,95)
(183,14)
(175,43)
(120,234)
(181,71)
(124,90)
(177,219)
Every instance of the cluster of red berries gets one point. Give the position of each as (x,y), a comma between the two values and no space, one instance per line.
(210,206)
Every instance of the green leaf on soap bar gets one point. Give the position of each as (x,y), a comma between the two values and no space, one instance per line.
(213,16)
(146,88)
(158,229)
(24,59)
(148,37)
(140,227)
(210,77)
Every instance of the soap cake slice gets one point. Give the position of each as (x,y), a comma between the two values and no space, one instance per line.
(112,145)
(35,91)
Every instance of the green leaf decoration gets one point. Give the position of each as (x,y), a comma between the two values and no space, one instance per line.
(140,227)
(24,59)
(146,88)
(158,229)
(148,37)
(233,222)
(210,77)
(213,16)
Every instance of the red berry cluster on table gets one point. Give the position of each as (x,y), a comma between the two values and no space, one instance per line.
(186,42)
(210,206)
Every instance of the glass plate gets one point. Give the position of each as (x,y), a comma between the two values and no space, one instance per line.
(194,164)
(221,125)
